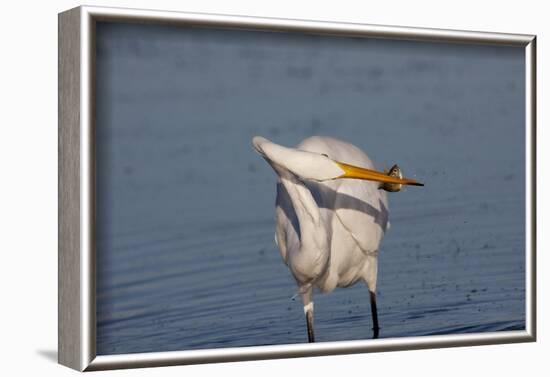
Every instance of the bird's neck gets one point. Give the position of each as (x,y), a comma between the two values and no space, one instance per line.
(313,256)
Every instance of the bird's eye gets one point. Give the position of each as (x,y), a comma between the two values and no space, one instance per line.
(326,155)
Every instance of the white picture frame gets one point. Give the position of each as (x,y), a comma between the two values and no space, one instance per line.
(77,319)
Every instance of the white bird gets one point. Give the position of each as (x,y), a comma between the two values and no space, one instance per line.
(331,214)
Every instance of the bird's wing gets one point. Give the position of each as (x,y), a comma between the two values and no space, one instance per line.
(363,211)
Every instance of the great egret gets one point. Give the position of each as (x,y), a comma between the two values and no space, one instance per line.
(331,214)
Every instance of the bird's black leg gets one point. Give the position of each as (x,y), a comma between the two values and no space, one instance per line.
(307,298)
(309,320)
(374,311)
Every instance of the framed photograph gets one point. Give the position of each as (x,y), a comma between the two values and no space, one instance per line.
(236,188)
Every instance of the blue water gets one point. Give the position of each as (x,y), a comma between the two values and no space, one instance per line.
(185,250)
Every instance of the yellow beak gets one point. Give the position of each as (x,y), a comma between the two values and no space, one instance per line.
(356,172)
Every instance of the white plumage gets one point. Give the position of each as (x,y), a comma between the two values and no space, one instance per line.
(328,226)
